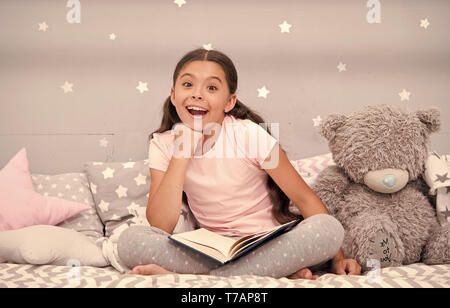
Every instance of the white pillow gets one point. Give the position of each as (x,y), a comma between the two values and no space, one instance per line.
(44,244)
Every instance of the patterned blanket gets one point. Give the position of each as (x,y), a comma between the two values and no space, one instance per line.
(49,276)
(437,176)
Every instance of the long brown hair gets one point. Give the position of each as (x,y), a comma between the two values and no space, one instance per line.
(279,199)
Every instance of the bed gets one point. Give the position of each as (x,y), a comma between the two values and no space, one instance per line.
(79,252)
(50,276)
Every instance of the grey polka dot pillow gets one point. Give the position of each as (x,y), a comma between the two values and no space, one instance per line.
(72,187)
(120,191)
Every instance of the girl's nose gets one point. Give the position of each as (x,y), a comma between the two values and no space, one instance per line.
(196,97)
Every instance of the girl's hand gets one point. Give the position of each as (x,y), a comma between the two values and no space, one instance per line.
(188,142)
(345,267)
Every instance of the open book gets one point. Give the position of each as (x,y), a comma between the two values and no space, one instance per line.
(225,249)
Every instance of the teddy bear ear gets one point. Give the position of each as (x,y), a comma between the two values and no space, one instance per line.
(331,124)
(431,119)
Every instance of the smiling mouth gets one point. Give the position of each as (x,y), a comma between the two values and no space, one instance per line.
(196,111)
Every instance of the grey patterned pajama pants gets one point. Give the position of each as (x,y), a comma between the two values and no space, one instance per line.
(313,241)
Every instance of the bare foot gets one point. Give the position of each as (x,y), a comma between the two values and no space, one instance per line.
(304,273)
(149,269)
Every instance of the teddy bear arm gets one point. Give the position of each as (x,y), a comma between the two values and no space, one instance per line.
(437,250)
(423,187)
(330,186)
(420,185)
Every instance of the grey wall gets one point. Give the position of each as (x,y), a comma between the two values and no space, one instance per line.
(61,130)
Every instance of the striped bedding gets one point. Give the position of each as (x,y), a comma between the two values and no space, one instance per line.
(48,276)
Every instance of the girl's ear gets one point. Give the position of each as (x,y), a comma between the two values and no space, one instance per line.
(231,102)
(172,95)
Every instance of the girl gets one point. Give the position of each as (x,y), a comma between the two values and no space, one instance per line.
(233,195)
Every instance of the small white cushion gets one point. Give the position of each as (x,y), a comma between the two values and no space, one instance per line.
(44,244)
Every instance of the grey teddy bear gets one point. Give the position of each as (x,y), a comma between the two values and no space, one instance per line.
(376,190)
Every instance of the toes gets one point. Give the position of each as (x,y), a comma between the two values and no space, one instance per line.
(306,274)
(135,271)
(149,269)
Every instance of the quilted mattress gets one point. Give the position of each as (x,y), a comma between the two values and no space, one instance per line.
(48,276)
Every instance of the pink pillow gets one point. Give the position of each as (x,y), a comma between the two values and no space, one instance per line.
(313,165)
(16,173)
(21,208)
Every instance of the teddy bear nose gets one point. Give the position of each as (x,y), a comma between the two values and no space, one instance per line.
(386,180)
(389,180)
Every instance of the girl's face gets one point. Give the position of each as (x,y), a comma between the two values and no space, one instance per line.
(202,85)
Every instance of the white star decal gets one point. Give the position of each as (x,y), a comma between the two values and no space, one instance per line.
(317,121)
(341,67)
(179,2)
(207,46)
(404,95)
(108,173)
(67,87)
(285,27)
(142,87)
(112,36)
(140,179)
(424,23)
(262,92)
(43,26)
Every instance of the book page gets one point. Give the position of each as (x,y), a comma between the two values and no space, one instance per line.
(246,239)
(245,242)
(208,238)
(202,248)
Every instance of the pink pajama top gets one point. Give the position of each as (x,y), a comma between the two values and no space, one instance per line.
(226,186)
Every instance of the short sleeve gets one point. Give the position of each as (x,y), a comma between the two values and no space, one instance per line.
(258,142)
(159,151)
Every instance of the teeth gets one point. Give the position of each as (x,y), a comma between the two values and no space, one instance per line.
(196,108)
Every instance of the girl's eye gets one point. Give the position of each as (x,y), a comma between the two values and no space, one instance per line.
(188,84)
